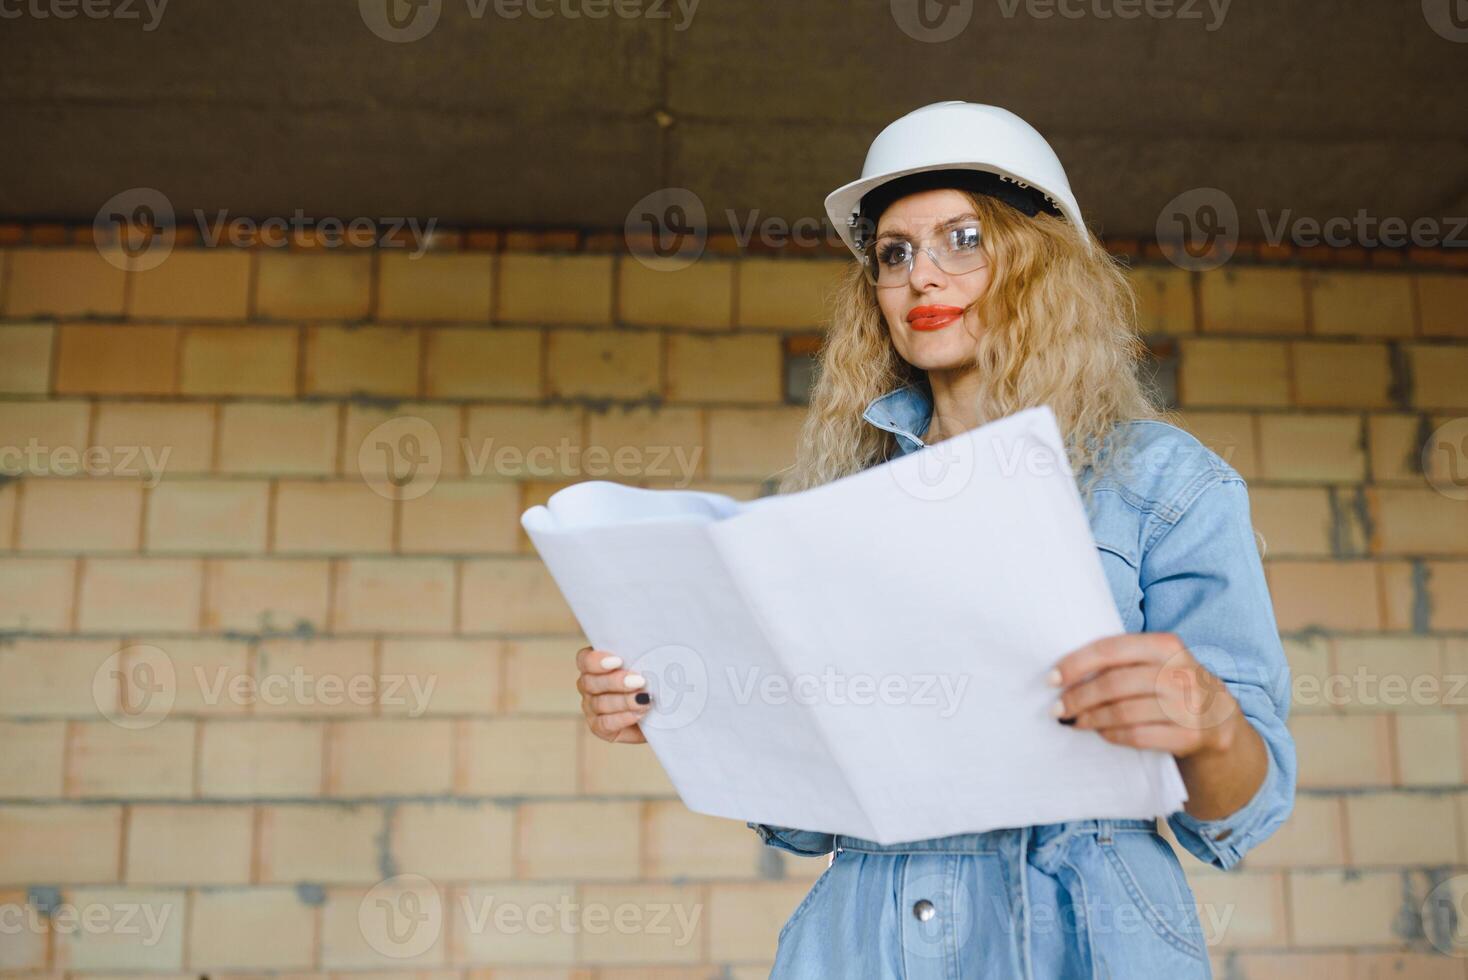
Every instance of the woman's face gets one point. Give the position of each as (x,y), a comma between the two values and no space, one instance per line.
(915,312)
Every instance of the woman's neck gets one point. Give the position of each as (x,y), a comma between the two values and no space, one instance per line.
(955,403)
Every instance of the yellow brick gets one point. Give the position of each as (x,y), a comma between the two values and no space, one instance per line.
(1334,908)
(223,517)
(1311,837)
(390,757)
(752,443)
(612,769)
(434,287)
(506,924)
(462,517)
(1389,673)
(31,765)
(1330,595)
(1374,304)
(579,839)
(256,928)
(429,676)
(483,363)
(140,763)
(362,928)
(1343,750)
(724,369)
(512,595)
(454,841)
(1253,300)
(1230,434)
(194,284)
(1311,689)
(678,911)
(1418,521)
(260,757)
(27,937)
(642,443)
(604,363)
(278,439)
(540,677)
(254,360)
(149,439)
(1341,375)
(777,293)
(336,677)
(55,677)
(399,595)
(207,673)
(1442,302)
(1429,751)
(1295,521)
(60,844)
(370,360)
(543,763)
(141,931)
(522,441)
(663,292)
(189,845)
(80,515)
(1164,300)
(35,593)
(305,286)
(266,594)
(683,843)
(1241,909)
(140,594)
(25,358)
(372,433)
(63,282)
(1233,372)
(1447,582)
(1311,448)
(323,518)
(319,843)
(9,491)
(1394,445)
(555,288)
(744,918)
(109,359)
(43,437)
(1437,376)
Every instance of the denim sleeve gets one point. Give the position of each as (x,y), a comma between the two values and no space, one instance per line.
(806,843)
(1202,578)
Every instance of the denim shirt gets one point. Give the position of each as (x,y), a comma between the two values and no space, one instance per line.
(1172,528)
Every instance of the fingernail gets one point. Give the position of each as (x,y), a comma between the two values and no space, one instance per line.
(642,697)
(1053,678)
(634,680)
(609,663)
(1066,721)
(1057,710)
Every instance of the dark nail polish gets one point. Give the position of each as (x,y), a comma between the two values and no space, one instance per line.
(643,697)
(1066,721)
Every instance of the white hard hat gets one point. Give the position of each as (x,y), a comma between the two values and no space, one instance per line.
(958,135)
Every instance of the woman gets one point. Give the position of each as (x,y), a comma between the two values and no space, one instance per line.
(979,292)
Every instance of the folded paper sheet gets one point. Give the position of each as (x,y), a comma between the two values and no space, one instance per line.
(867,657)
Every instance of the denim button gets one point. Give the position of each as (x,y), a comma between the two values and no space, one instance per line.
(924,910)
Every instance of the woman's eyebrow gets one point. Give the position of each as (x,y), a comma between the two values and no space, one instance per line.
(939,226)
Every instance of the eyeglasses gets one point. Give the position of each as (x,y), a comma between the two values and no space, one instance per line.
(888,261)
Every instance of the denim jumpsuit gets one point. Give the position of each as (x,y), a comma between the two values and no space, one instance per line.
(1085,898)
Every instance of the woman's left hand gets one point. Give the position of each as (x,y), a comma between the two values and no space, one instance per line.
(1148,691)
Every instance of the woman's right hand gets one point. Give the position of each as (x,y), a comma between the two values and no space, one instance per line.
(609,696)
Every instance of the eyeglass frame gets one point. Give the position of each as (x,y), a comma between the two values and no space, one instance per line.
(867,255)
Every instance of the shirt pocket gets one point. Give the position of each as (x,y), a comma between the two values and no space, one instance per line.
(1152,880)
(1123,575)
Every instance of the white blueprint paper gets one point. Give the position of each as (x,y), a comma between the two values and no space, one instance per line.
(867,657)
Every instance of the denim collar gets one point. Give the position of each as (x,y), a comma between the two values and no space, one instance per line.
(903,412)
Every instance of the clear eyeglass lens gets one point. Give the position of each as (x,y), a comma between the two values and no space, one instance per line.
(958,250)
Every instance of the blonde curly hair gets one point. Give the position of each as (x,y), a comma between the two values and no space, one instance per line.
(1059,329)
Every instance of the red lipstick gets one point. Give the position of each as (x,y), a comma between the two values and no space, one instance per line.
(933,317)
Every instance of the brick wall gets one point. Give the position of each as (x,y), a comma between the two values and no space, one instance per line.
(277,656)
